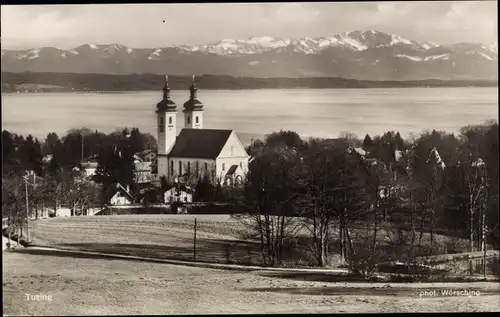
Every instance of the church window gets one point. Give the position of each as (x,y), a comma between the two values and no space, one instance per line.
(161,120)
(180,168)
(189,168)
(169,120)
(206,166)
(171,167)
(188,119)
(241,165)
(223,166)
(197,119)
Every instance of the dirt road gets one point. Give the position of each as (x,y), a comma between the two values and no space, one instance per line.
(93,285)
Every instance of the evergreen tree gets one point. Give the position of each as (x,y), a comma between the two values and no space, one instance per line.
(10,158)
(50,144)
(204,189)
(135,141)
(399,143)
(367,143)
(115,164)
(31,155)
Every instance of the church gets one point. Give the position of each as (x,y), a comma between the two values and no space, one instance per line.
(196,152)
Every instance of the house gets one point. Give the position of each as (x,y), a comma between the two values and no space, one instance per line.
(47,159)
(398,155)
(89,168)
(41,213)
(119,195)
(86,168)
(143,172)
(146,155)
(359,151)
(63,212)
(196,152)
(91,211)
(180,193)
(50,212)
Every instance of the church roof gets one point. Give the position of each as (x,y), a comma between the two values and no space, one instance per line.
(166,105)
(200,143)
(231,170)
(193,104)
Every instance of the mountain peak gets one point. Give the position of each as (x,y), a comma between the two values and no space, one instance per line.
(363,54)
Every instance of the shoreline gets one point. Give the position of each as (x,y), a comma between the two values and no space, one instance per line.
(231,89)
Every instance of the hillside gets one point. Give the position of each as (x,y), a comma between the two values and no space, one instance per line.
(45,82)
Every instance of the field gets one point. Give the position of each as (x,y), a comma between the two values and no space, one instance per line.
(220,238)
(87,285)
(92,284)
(160,236)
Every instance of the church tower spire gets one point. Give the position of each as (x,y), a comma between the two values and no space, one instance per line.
(193,109)
(166,112)
(166,89)
(193,89)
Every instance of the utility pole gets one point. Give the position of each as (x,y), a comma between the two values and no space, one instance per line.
(82,145)
(484,226)
(27,206)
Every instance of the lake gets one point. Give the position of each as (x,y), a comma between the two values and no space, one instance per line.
(253,113)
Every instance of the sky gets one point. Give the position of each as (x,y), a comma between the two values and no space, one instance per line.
(160,25)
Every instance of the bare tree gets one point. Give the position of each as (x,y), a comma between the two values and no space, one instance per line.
(269,191)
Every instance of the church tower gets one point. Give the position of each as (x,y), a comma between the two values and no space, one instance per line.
(166,113)
(193,110)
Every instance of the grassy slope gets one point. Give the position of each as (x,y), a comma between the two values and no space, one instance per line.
(86,286)
(171,236)
(162,236)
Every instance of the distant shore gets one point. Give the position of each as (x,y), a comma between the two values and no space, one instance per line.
(67,82)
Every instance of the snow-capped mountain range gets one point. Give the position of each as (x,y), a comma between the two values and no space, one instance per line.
(359,54)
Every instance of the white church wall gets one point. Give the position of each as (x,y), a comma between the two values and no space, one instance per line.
(167,131)
(233,153)
(199,166)
(162,166)
(193,120)
(233,147)
(223,165)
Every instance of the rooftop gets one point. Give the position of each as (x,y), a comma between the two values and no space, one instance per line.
(200,143)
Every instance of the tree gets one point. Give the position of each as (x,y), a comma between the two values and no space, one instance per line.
(115,165)
(14,201)
(399,143)
(283,139)
(31,155)
(350,138)
(136,141)
(269,189)
(204,190)
(327,181)
(383,148)
(10,153)
(51,143)
(367,143)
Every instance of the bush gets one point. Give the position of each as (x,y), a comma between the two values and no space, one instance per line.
(455,245)
(23,241)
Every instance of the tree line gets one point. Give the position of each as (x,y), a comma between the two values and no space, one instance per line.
(406,191)
(57,165)
(12,82)
(403,191)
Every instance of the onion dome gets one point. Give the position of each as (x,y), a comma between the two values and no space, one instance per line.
(167,104)
(193,103)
